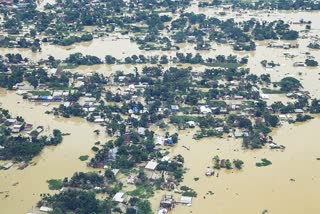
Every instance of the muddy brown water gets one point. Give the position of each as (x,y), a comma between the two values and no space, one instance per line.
(53,162)
(254,189)
(250,190)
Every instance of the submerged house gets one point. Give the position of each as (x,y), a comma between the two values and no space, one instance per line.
(167,202)
(299,64)
(46,209)
(16,128)
(151,165)
(7,165)
(119,197)
(238,134)
(186,200)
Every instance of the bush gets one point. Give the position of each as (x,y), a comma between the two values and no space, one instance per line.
(238,163)
(55,184)
(84,157)
(289,83)
(311,62)
(264,162)
(95,149)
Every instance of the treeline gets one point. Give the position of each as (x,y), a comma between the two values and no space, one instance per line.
(220,60)
(35,78)
(73,39)
(19,147)
(263,4)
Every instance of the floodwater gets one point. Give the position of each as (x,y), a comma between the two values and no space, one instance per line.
(98,47)
(53,162)
(290,185)
(250,190)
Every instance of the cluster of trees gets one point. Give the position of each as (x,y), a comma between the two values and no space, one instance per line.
(139,150)
(209,133)
(77,201)
(314,45)
(80,59)
(16,42)
(273,30)
(226,163)
(175,81)
(311,62)
(73,39)
(175,167)
(80,201)
(40,76)
(315,106)
(262,4)
(265,63)
(195,27)
(15,58)
(85,180)
(9,80)
(34,76)
(301,103)
(72,110)
(61,24)
(25,148)
(189,58)
(303,118)
(289,84)
(207,121)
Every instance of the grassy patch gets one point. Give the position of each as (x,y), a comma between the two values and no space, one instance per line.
(185,109)
(217,103)
(68,66)
(142,191)
(41,93)
(84,157)
(271,91)
(247,104)
(55,184)
(187,191)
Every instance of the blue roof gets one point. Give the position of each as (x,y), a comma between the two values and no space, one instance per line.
(170,141)
(134,108)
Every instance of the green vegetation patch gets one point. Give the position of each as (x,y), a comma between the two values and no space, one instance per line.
(84,157)
(55,184)
(41,93)
(95,149)
(264,162)
(271,91)
(187,191)
(142,191)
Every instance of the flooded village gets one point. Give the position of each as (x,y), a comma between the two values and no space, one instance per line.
(142,106)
